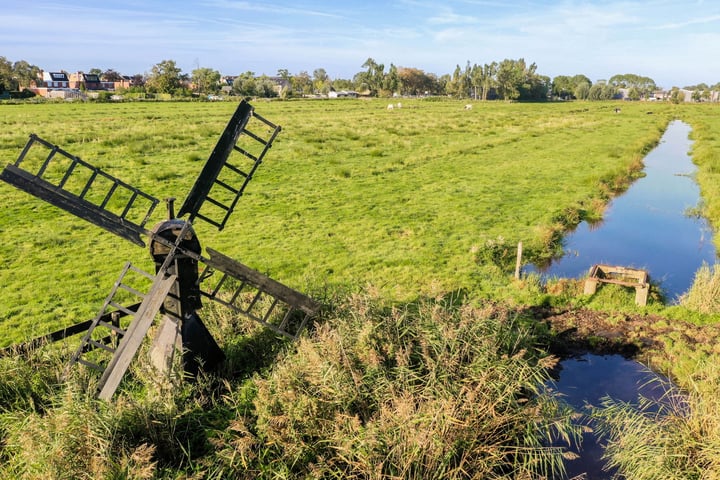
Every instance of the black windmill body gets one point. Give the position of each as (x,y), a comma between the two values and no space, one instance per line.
(183,275)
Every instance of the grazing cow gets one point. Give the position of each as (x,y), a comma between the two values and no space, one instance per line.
(468,106)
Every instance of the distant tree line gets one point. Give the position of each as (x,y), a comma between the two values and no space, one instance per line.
(505,80)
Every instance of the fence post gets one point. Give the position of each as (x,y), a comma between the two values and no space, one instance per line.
(518,262)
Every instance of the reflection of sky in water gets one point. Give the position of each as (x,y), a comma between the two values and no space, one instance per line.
(647,227)
(585,381)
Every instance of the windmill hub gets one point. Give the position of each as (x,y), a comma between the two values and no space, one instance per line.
(184,298)
(184,266)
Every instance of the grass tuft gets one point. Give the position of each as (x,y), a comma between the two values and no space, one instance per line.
(704,294)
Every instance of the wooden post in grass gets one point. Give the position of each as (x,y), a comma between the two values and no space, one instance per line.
(518,261)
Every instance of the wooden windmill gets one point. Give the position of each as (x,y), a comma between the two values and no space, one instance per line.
(184,275)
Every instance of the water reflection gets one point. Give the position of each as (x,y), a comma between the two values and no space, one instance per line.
(650,226)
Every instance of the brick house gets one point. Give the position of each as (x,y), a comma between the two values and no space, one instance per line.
(86,81)
(52,80)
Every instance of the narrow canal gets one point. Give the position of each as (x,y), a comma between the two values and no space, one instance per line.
(652,227)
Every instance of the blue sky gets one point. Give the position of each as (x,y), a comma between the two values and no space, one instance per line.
(674,42)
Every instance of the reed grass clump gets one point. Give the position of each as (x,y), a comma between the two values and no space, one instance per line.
(28,383)
(425,392)
(704,294)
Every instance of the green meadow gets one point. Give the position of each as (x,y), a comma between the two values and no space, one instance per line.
(425,361)
(410,202)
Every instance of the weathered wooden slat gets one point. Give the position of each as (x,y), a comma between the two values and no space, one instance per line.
(134,336)
(262,282)
(71,203)
(57,335)
(215,163)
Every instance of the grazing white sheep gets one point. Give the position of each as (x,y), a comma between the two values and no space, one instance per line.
(399,105)
(468,106)
(390,106)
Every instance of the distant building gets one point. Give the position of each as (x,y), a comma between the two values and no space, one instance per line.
(54,85)
(342,94)
(93,82)
(55,80)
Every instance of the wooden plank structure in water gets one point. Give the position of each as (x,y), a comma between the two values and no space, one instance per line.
(625,276)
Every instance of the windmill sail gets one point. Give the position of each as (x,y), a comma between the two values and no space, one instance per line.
(270,303)
(220,185)
(67,182)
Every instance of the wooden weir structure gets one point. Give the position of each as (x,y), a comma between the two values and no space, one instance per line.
(618,275)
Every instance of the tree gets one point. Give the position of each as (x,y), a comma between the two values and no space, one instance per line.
(373,77)
(265,87)
(302,83)
(533,85)
(457,84)
(206,80)
(582,90)
(7,81)
(25,73)
(595,92)
(677,95)
(476,80)
(634,93)
(245,84)
(602,91)
(342,84)
(111,75)
(137,80)
(321,80)
(391,81)
(509,78)
(565,87)
(286,78)
(414,81)
(165,77)
(487,78)
(644,85)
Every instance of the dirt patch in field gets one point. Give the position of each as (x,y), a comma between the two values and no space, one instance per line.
(581,330)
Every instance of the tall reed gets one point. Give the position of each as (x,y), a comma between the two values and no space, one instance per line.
(432,389)
(677,437)
(420,392)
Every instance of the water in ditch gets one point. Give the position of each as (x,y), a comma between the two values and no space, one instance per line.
(584,381)
(650,226)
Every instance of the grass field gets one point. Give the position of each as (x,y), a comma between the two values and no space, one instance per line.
(359,206)
(407,201)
